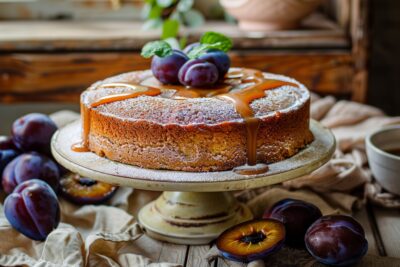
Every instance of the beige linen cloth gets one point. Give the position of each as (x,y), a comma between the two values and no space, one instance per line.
(108,235)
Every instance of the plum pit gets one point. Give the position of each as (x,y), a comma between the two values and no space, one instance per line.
(83,190)
(86,181)
(253,238)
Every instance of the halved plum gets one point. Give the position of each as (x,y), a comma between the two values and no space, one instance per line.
(251,240)
(82,190)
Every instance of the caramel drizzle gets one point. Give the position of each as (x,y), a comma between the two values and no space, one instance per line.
(149,91)
(182,92)
(83,146)
(241,99)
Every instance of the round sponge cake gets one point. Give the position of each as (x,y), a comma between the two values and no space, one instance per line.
(193,134)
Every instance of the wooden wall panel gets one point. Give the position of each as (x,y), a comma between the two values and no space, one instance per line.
(330,73)
(61,77)
(85,35)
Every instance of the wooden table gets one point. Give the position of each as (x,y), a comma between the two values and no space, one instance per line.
(382,227)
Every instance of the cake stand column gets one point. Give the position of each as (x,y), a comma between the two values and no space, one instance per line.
(192,218)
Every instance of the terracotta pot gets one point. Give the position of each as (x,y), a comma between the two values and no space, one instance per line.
(269,15)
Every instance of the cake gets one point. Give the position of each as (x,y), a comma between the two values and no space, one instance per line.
(251,117)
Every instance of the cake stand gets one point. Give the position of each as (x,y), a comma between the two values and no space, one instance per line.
(195,207)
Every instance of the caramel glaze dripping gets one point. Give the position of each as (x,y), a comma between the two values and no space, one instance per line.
(83,146)
(182,92)
(241,99)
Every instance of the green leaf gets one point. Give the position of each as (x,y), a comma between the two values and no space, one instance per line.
(175,15)
(144,13)
(165,3)
(193,18)
(173,42)
(155,12)
(198,51)
(185,5)
(224,43)
(211,40)
(170,28)
(202,49)
(152,24)
(182,42)
(159,48)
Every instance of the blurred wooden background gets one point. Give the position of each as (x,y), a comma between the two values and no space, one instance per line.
(55,60)
(349,49)
(384,64)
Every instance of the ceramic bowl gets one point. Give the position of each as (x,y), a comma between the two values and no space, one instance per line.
(385,166)
(267,15)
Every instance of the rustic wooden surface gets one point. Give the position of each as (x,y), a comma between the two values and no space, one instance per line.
(62,77)
(382,227)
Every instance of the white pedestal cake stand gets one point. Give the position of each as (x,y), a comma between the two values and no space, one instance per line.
(196,206)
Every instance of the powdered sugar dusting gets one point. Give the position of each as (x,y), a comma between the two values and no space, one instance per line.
(162,110)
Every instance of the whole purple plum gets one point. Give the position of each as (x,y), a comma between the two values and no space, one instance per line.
(6,142)
(6,156)
(30,166)
(336,240)
(33,209)
(166,69)
(33,132)
(190,47)
(297,216)
(198,73)
(8,151)
(220,59)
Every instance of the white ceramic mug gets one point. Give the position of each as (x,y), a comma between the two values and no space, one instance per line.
(385,166)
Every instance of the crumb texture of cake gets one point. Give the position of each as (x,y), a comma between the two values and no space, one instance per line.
(193,134)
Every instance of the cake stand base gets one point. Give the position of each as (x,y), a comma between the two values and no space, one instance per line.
(192,218)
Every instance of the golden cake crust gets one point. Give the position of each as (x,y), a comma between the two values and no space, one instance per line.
(196,134)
